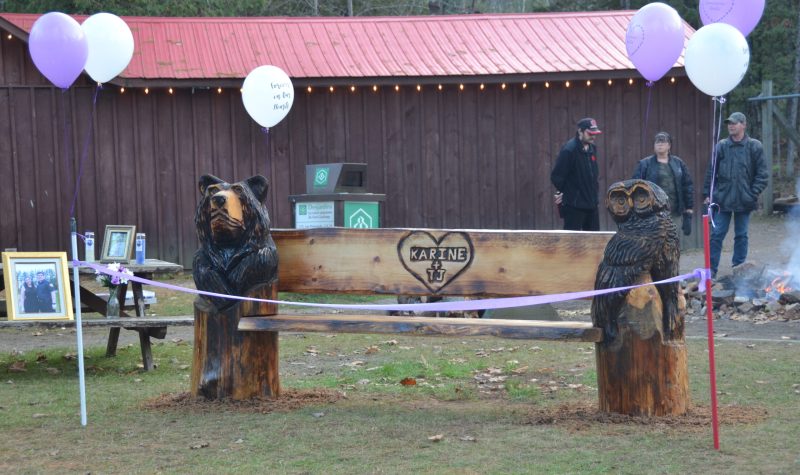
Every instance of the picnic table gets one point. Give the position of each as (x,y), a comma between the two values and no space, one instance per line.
(94,301)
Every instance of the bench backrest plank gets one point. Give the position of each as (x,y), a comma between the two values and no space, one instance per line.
(437,261)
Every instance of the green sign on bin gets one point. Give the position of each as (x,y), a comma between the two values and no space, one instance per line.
(361,214)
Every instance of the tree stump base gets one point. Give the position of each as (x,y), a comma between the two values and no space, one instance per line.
(231,364)
(640,373)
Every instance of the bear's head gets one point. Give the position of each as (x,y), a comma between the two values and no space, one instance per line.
(232,216)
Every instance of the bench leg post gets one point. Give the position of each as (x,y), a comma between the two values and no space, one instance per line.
(228,363)
(643,372)
(147,353)
(113,339)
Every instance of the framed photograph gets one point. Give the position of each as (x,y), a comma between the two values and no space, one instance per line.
(37,286)
(118,243)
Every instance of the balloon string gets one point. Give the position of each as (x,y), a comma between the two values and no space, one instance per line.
(266,142)
(85,150)
(716,130)
(649,85)
(65,130)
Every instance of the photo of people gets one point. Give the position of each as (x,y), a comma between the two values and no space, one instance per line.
(37,289)
(118,245)
(40,285)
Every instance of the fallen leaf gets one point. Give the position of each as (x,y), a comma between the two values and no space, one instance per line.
(468,438)
(363,382)
(17,367)
(41,357)
(408,382)
(38,333)
(53,371)
(436,438)
(38,415)
(238,441)
(752,345)
(371,350)
(389,342)
(201,445)
(786,338)
(176,340)
(318,414)
(520,370)
(70,356)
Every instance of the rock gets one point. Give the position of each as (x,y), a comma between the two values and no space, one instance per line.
(722,298)
(791,296)
(745,307)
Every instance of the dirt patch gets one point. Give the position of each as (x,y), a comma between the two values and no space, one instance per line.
(582,415)
(289,400)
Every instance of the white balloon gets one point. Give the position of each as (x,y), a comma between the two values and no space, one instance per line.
(110,46)
(268,95)
(716,58)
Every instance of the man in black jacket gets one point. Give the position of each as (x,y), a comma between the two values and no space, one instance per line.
(575,177)
(740,175)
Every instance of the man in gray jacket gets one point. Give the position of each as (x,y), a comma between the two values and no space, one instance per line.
(739,176)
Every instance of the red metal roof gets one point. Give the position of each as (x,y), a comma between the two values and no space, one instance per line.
(374,47)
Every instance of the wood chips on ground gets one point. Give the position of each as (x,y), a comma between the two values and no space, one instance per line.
(289,400)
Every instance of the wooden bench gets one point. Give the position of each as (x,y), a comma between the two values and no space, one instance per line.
(641,370)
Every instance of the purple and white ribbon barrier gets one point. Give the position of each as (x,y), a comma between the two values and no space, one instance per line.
(485,304)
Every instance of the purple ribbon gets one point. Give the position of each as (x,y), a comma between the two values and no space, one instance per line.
(465,305)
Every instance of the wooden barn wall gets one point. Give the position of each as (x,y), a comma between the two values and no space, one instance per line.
(451,159)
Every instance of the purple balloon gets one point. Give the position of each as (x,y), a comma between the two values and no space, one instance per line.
(743,15)
(59,48)
(654,40)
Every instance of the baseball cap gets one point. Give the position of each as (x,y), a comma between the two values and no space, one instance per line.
(736,117)
(663,137)
(589,125)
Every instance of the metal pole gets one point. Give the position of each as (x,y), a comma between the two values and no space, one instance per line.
(73,225)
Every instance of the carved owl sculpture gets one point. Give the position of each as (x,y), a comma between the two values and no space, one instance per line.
(647,242)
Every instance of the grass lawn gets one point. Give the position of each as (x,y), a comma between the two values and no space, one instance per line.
(497,406)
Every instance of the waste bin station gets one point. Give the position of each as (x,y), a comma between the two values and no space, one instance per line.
(336,195)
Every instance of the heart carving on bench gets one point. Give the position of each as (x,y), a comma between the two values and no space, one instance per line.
(435,261)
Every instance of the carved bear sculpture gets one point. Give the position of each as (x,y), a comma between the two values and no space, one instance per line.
(236,249)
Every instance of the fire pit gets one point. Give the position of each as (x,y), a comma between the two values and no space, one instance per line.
(752,292)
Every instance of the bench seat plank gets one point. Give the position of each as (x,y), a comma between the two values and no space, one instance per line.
(516,329)
(137,322)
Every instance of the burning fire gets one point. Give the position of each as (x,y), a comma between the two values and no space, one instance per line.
(779,284)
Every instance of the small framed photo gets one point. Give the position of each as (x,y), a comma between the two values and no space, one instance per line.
(37,286)
(118,243)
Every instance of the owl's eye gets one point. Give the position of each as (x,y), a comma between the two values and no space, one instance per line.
(640,198)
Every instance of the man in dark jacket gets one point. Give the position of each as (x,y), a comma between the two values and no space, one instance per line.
(740,175)
(575,177)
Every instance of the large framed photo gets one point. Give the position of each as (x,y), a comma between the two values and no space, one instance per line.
(37,286)
(118,243)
